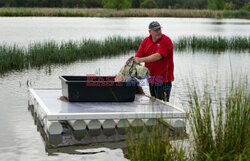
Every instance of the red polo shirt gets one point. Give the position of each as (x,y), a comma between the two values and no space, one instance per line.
(161,70)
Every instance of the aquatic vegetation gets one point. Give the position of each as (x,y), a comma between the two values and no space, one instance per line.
(91,12)
(219,128)
(12,58)
(152,143)
(236,14)
(213,43)
(52,52)
(220,124)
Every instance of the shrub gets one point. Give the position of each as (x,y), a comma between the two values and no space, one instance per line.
(247,7)
(149,4)
(117,4)
(229,6)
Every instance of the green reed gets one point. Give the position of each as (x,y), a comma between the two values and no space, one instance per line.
(220,124)
(236,14)
(12,58)
(213,43)
(152,143)
(80,12)
(52,52)
(219,128)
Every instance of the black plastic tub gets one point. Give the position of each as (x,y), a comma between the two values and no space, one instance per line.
(97,89)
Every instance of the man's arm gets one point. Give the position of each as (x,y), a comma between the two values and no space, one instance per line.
(151,58)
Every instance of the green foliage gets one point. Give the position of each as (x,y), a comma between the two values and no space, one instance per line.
(236,14)
(220,124)
(136,3)
(12,58)
(188,4)
(217,43)
(229,6)
(164,3)
(247,7)
(239,3)
(177,6)
(215,4)
(152,143)
(149,4)
(117,4)
(211,5)
(219,4)
(70,3)
(195,4)
(39,54)
(93,3)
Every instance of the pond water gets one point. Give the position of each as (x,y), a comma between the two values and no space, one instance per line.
(19,137)
(23,30)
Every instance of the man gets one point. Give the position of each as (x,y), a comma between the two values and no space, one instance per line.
(156,51)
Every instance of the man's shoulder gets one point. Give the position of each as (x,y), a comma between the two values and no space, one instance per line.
(166,39)
(146,40)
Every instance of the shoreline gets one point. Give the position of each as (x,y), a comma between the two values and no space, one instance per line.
(100,12)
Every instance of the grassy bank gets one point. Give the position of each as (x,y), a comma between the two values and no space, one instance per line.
(77,12)
(38,54)
(219,129)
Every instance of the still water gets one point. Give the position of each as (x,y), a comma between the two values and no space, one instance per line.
(23,30)
(18,134)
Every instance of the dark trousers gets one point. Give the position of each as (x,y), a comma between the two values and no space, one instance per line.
(161,91)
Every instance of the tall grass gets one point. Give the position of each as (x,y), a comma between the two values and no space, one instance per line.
(236,14)
(220,125)
(153,143)
(12,58)
(77,12)
(38,54)
(51,52)
(219,129)
(213,43)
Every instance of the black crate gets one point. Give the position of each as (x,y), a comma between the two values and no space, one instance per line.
(97,89)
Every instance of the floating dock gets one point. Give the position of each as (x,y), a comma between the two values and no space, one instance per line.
(93,122)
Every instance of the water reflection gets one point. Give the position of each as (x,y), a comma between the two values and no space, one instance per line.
(229,23)
(218,23)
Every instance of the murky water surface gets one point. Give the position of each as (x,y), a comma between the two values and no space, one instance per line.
(19,137)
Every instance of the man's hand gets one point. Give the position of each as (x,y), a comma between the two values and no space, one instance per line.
(137,60)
